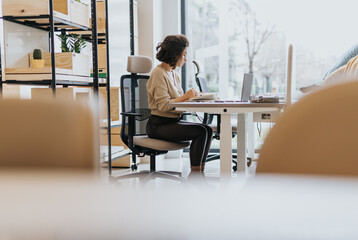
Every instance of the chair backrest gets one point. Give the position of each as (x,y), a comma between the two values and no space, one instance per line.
(134,99)
(134,96)
(317,135)
(201,82)
(39,134)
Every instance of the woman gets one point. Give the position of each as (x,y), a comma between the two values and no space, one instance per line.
(164,87)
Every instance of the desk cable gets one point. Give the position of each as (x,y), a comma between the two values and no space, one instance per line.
(259,128)
(198,117)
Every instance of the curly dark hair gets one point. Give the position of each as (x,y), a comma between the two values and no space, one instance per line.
(171,49)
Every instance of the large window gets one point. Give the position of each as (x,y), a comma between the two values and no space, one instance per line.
(231,37)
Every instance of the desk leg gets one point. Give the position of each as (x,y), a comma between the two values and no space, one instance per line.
(245,140)
(241,143)
(225,145)
(250,137)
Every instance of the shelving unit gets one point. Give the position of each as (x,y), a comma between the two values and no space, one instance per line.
(52,22)
(44,17)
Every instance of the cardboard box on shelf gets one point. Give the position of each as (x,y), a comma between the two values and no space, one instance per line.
(102,61)
(116,141)
(35,8)
(115,103)
(79,13)
(102,57)
(11,91)
(101,17)
(78,63)
(62,94)
(69,10)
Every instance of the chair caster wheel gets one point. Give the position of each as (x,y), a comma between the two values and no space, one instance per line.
(249,161)
(234,168)
(134,167)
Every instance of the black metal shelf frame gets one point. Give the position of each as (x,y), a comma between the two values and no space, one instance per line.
(53,25)
(59,23)
(48,83)
(108,87)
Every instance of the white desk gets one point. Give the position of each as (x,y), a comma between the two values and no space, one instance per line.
(68,206)
(245,142)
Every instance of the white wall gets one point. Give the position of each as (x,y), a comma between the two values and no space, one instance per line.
(145,27)
(156,19)
(171,17)
(21,40)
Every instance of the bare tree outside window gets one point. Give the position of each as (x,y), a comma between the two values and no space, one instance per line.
(254,47)
(259,33)
(256,36)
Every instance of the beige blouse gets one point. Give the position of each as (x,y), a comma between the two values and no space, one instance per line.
(162,88)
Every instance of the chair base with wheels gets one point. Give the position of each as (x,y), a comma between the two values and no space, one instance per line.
(143,146)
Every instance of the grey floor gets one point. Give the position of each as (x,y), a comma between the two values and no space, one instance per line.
(181,164)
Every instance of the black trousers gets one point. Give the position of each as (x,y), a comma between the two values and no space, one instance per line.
(176,130)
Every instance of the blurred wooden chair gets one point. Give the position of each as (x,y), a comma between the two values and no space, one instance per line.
(47,135)
(317,135)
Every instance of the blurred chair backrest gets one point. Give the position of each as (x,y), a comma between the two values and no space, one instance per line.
(201,82)
(134,96)
(47,134)
(317,135)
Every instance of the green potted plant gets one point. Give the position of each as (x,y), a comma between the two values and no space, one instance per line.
(72,43)
(64,42)
(71,47)
(37,61)
(77,43)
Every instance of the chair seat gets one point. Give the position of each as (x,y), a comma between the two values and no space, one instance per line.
(145,141)
(215,128)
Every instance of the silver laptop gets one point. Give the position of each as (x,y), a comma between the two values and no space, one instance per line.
(246,87)
(245,91)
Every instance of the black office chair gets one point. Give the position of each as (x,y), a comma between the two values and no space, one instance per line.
(135,113)
(208,119)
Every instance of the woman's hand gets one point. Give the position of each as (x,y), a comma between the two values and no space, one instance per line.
(189,94)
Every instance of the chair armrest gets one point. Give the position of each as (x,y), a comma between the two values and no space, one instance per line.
(131,125)
(131,114)
(186,114)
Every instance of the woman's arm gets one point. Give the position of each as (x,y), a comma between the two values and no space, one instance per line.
(158,88)
(189,94)
(158,93)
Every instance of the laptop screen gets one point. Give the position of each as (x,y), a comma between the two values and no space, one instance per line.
(246,87)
